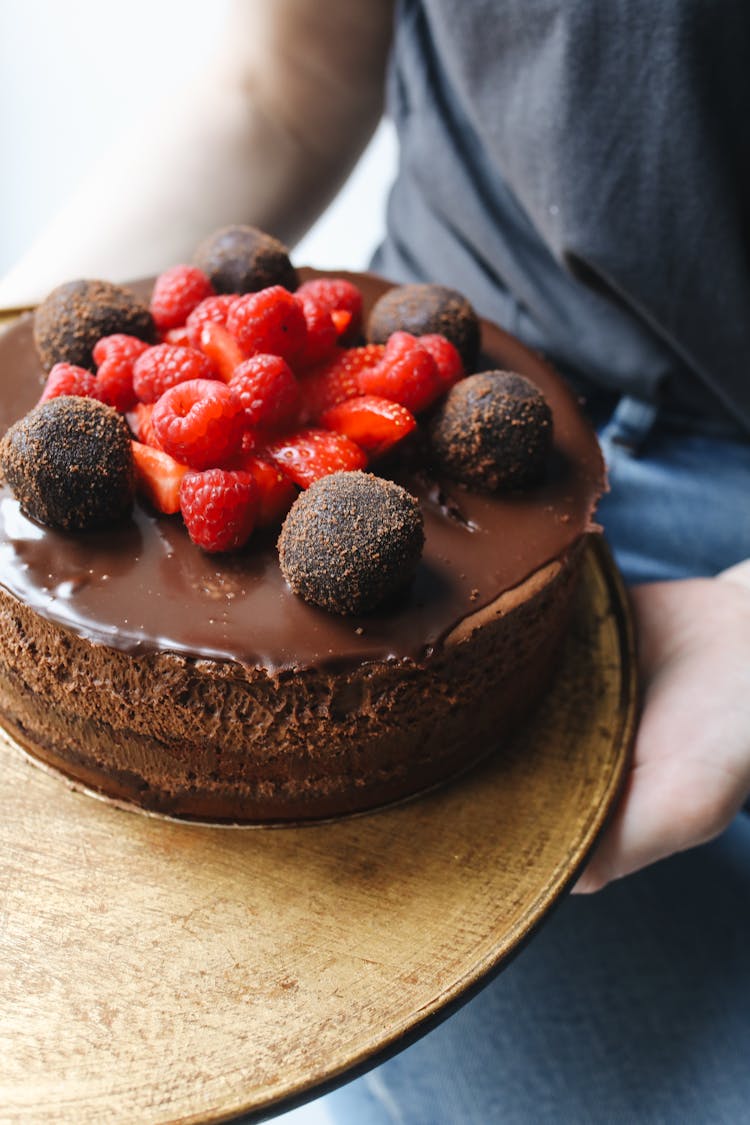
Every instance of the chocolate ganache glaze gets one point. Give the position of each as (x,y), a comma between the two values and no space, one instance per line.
(201,687)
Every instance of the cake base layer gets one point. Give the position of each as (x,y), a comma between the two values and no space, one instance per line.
(217,741)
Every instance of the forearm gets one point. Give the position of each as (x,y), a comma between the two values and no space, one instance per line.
(266,136)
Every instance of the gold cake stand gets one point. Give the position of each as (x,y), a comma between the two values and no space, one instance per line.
(157,972)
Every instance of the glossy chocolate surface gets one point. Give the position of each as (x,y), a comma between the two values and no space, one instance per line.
(145,586)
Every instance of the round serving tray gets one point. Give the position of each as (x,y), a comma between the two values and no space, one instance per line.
(160,972)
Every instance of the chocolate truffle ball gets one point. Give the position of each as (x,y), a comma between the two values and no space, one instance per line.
(70,464)
(244,259)
(494,430)
(424,309)
(351,541)
(74,316)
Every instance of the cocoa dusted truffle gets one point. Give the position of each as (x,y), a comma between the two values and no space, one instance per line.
(70,464)
(74,316)
(244,259)
(423,309)
(494,430)
(350,541)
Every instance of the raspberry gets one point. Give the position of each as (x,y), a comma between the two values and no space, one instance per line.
(164,366)
(199,423)
(213,310)
(67,379)
(408,374)
(176,293)
(337,295)
(219,508)
(115,358)
(268,391)
(447,359)
(114,384)
(338,379)
(271,321)
(322,337)
(307,455)
(249,444)
(119,346)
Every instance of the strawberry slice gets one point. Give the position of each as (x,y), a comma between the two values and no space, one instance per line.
(158,477)
(308,455)
(342,319)
(338,379)
(407,374)
(221,348)
(141,426)
(375,424)
(276,492)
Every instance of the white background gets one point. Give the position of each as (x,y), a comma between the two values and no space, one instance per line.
(73,73)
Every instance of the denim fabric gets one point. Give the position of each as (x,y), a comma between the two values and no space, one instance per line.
(633,1005)
(679,499)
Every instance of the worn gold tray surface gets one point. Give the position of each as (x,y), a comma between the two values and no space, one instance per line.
(158,972)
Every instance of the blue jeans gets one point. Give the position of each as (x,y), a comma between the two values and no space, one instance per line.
(679,500)
(632,1005)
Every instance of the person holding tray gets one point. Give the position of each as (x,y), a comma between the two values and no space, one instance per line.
(576,171)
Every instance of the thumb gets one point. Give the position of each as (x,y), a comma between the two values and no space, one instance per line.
(668,805)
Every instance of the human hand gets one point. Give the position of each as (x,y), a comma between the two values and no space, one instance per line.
(691,764)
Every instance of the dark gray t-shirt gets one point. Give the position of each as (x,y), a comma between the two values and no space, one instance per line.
(581,169)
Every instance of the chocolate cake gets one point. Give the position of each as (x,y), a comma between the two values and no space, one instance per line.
(203,687)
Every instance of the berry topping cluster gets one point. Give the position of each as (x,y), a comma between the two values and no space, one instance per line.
(240,388)
(251,396)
